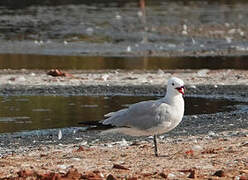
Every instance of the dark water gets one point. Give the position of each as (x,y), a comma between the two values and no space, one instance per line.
(19,61)
(43,112)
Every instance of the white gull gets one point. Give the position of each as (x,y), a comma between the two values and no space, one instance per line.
(151,117)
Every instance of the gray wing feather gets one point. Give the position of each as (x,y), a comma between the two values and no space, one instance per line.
(142,115)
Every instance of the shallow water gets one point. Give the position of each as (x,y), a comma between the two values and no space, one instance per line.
(43,112)
(19,61)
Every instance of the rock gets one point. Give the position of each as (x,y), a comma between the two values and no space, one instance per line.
(80,148)
(73,174)
(111,177)
(58,72)
(163,175)
(132,178)
(192,174)
(203,72)
(197,148)
(90,176)
(60,135)
(243,177)
(118,166)
(171,176)
(219,173)
(26,173)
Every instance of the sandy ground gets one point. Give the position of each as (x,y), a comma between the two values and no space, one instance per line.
(203,156)
(197,157)
(37,78)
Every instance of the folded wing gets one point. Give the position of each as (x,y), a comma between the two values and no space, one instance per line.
(142,115)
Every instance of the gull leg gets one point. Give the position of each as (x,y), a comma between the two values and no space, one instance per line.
(155,145)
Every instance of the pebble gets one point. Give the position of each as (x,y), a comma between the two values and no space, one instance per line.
(129,49)
(118,17)
(171,176)
(212,134)
(193,86)
(62,166)
(60,135)
(203,72)
(197,148)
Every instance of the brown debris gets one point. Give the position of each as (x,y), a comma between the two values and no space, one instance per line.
(163,175)
(219,173)
(111,177)
(192,174)
(132,178)
(58,72)
(26,173)
(189,152)
(70,175)
(191,171)
(243,177)
(47,176)
(73,173)
(211,151)
(80,148)
(118,166)
(91,176)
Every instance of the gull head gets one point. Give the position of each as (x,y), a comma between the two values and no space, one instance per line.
(175,86)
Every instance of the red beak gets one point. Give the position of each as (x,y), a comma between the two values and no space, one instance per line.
(180,89)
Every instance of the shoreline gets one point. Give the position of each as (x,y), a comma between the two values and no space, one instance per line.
(43,152)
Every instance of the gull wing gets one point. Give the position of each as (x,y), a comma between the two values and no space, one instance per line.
(142,115)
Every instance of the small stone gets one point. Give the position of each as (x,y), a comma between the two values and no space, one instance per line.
(202,72)
(105,77)
(244,144)
(219,173)
(62,166)
(228,40)
(21,78)
(197,148)
(73,174)
(25,173)
(160,72)
(129,49)
(76,159)
(184,32)
(132,178)
(90,30)
(171,176)
(118,166)
(111,177)
(243,177)
(211,133)
(163,175)
(185,27)
(139,13)
(193,86)
(118,17)
(60,135)
(192,174)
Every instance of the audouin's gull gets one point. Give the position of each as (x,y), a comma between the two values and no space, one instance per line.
(151,117)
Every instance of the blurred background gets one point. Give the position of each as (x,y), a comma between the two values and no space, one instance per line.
(136,28)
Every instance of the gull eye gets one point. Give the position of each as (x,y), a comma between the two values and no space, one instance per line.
(172,84)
